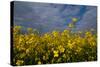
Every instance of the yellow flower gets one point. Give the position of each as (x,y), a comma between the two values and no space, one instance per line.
(61,48)
(92,43)
(44,58)
(70,25)
(74,19)
(19,62)
(78,49)
(64,55)
(88,34)
(46,35)
(60,43)
(65,32)
(70,45)
(69,41)
(29,29)
(39,62)
(56,53)
(55,33)
(27,51)
(20,40)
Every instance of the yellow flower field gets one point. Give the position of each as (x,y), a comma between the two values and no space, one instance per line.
(53,47)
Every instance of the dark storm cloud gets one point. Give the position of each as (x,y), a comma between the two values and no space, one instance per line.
(89,20)
(47,16)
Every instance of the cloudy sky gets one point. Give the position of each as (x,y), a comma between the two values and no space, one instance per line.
(46,17)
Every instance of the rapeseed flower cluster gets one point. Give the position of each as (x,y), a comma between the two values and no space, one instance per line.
(53,47)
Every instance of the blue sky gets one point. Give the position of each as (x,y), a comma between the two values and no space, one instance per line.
(46,17)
